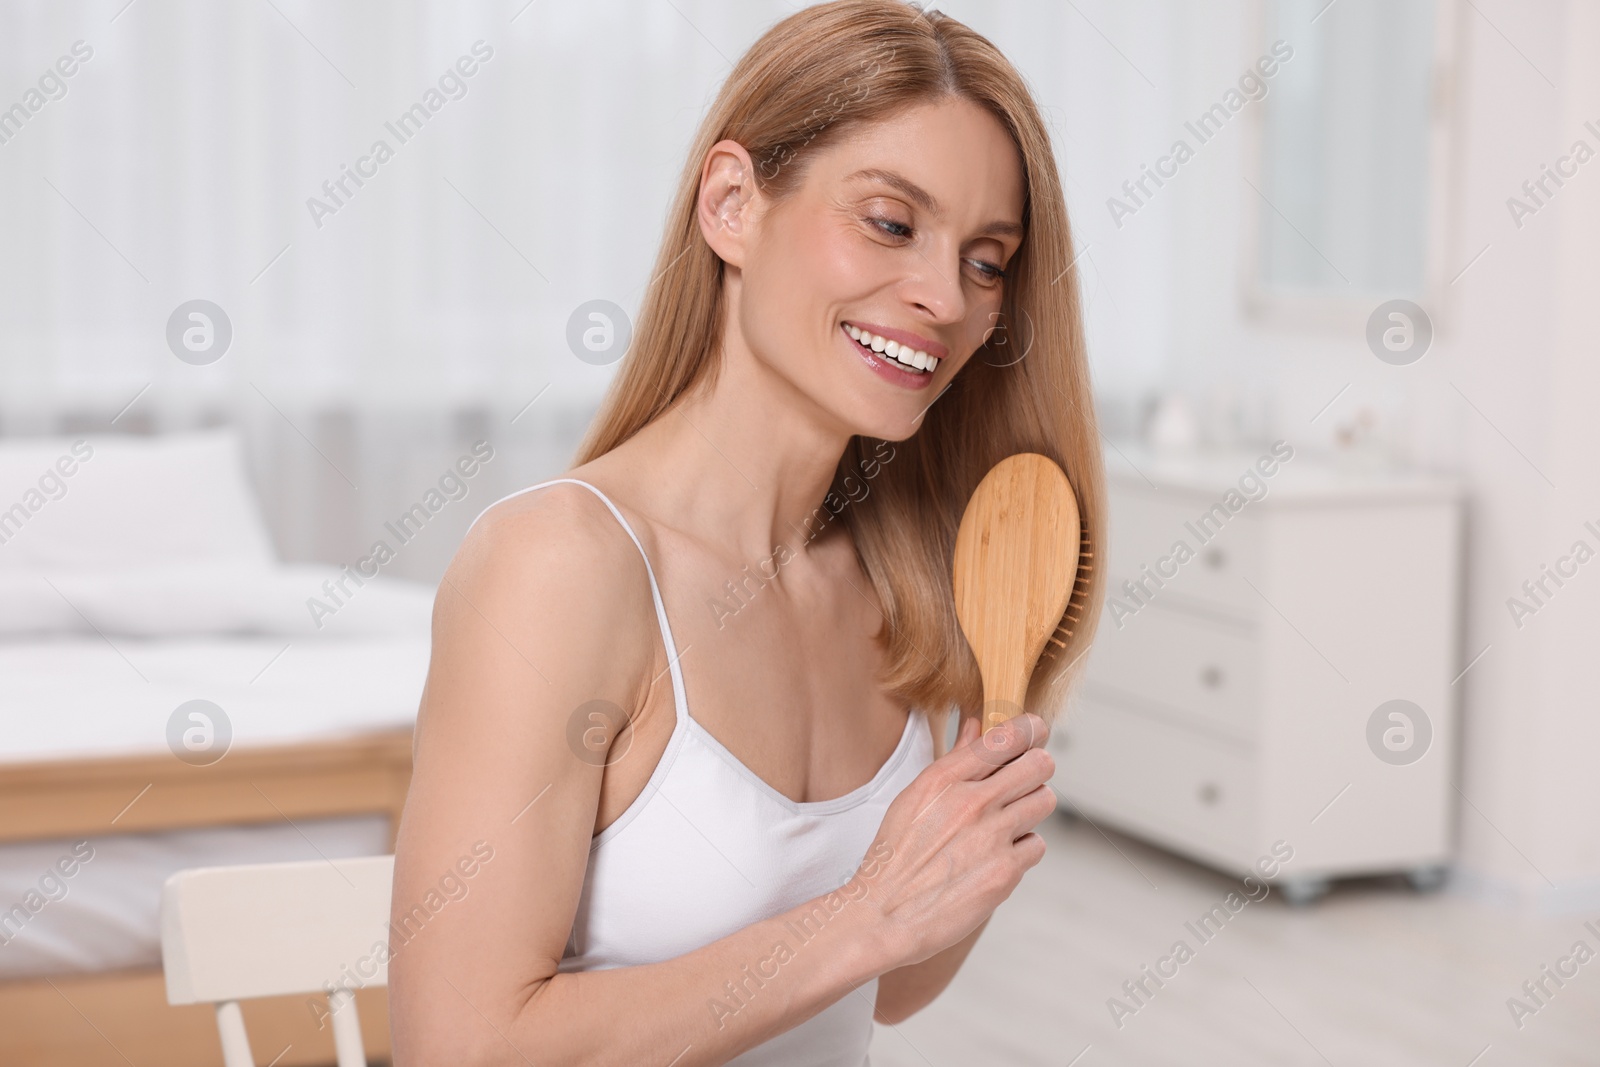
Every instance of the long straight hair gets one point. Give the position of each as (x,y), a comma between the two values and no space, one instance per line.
(810,80)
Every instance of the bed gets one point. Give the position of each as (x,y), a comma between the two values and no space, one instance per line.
(171,695)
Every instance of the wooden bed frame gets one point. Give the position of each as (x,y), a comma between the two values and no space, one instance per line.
(122,1017)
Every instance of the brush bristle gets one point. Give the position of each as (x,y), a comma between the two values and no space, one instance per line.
(1075,603)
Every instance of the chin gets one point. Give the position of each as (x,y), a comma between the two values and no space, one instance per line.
(872,421)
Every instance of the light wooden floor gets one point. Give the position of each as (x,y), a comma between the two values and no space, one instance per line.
(1374,975)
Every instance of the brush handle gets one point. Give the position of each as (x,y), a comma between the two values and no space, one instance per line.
(998,707)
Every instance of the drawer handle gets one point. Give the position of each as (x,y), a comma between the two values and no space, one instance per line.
(1209,793)
(1216,559)
(1211,677)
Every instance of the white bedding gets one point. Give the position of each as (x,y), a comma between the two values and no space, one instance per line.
(71,697)
(210,598)
(136,576)
(121,500)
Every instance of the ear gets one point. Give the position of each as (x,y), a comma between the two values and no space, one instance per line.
(725,208)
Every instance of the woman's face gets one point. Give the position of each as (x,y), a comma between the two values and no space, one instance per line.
(901,230)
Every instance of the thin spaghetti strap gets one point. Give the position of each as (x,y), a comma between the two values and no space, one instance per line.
(680,698)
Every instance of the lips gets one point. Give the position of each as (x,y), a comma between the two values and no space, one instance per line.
(905,337)
(886,367)
(893,352)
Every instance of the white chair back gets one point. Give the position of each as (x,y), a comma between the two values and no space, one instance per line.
(275,929)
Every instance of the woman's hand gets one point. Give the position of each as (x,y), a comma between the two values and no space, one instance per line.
(956,841)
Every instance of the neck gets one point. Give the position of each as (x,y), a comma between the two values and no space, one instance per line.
(763,456)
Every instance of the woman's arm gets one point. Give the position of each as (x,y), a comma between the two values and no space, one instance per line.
(905,991)
(546,608)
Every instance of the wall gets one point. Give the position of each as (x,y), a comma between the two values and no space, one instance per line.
(1505,399)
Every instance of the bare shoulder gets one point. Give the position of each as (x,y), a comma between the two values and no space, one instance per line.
(551,578)
(558,536)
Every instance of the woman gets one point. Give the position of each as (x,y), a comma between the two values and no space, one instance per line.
(679,795)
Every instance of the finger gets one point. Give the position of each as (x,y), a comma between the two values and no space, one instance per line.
(1029,849)
(969,725)
(1030,809)
(982,755)
(1022,776)
(1026,731)
(967,728)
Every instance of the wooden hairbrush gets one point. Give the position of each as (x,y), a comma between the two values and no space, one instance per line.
(1021,556)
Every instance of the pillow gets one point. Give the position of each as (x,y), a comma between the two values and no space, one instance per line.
(114,501)
(194,599)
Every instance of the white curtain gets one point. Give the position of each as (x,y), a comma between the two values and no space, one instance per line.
(375,338)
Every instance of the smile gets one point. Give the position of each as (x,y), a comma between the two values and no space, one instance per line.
(899,356)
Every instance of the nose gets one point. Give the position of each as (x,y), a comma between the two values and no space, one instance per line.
(934,286)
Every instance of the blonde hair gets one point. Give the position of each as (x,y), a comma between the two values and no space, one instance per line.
(808,81)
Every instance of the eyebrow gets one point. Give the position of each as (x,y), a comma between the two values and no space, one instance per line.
(923,199)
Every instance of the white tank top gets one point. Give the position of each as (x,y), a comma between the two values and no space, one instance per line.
(709,848)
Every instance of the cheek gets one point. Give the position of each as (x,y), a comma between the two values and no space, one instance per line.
(988,325)
(805,268)
(774,286)
(850,263)
(818,265)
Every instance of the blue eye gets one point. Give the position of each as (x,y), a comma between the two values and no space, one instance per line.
(990,271)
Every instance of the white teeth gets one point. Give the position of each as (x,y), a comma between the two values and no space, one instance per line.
(905,355)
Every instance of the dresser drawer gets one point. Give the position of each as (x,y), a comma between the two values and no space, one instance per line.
(1194,668)
(1143,529)
(1178,786)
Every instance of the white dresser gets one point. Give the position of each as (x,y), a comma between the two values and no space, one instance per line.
(1239,691)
